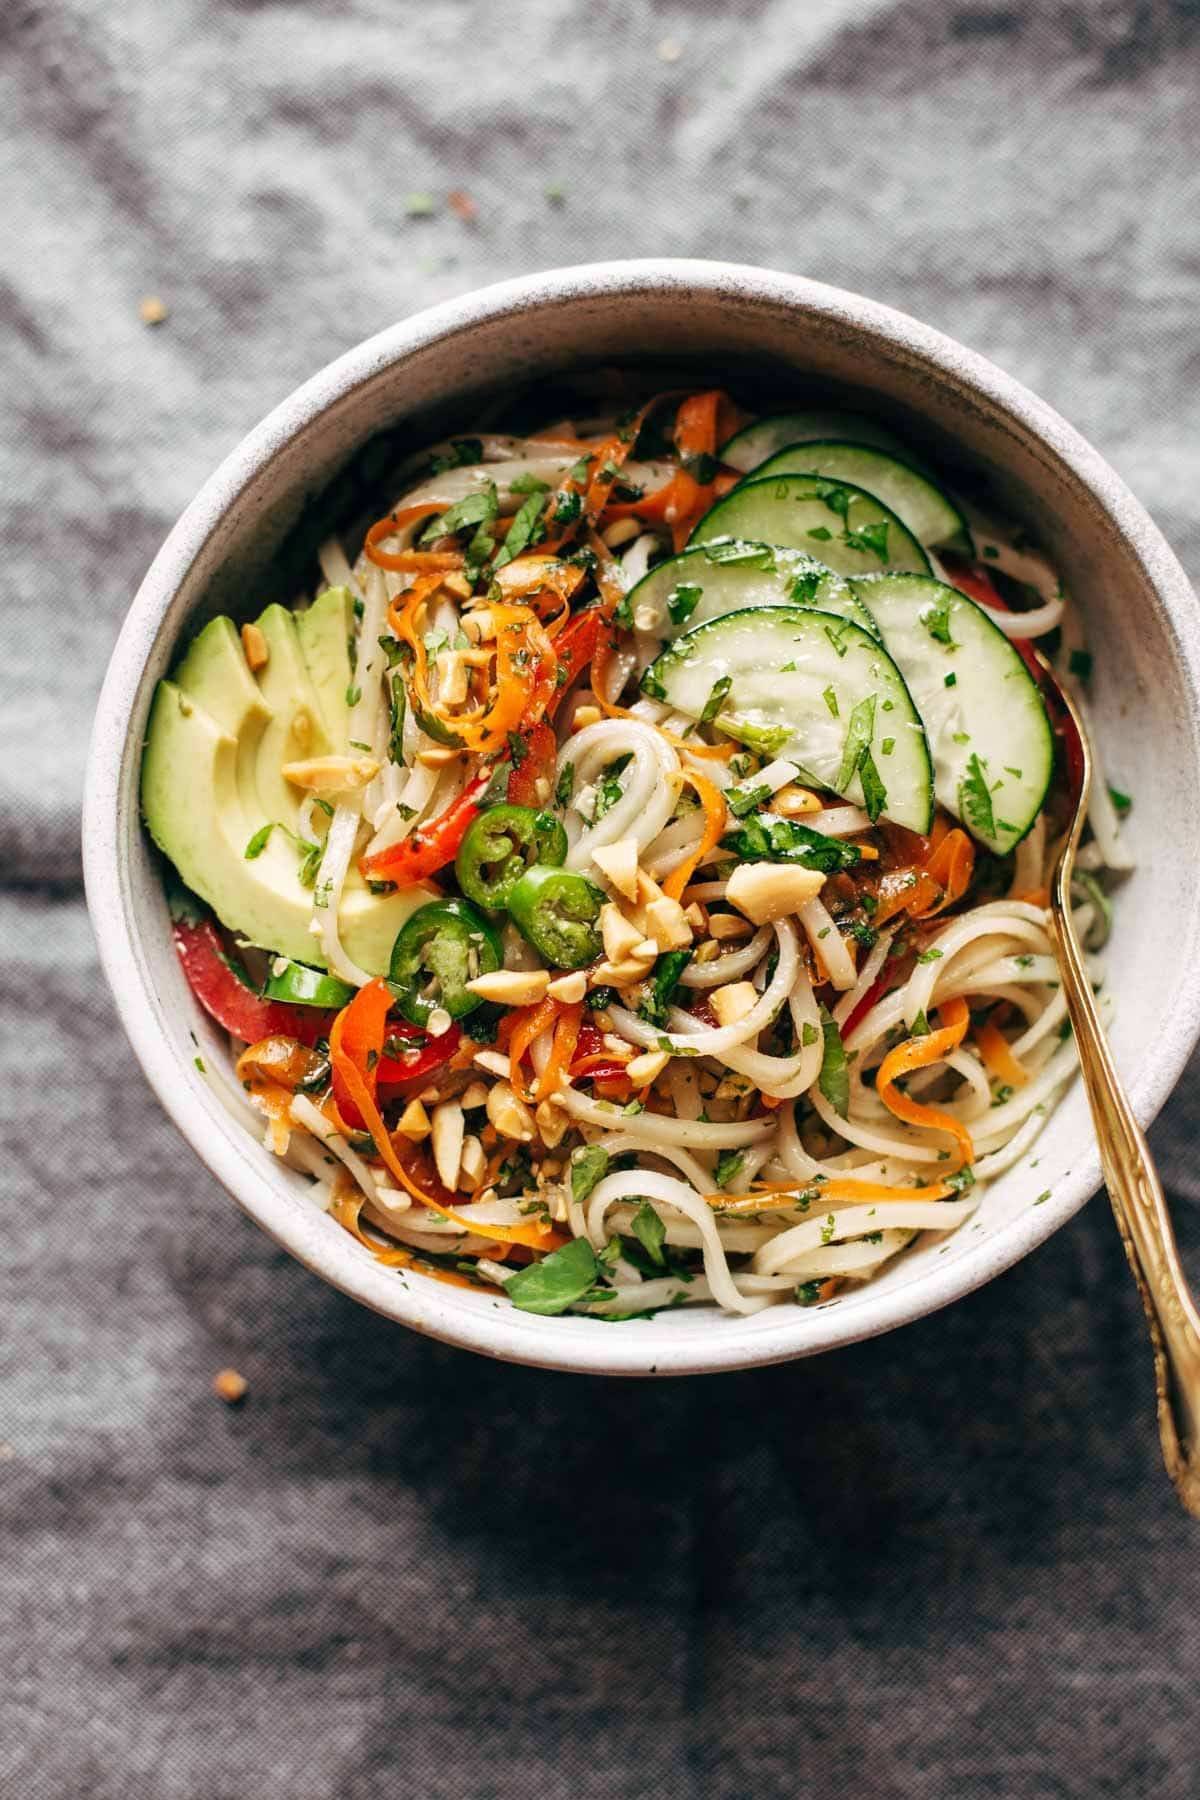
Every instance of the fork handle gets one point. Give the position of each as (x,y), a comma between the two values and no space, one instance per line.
(1145,1226)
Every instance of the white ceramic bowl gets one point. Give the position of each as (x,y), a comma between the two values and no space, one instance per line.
(434,370)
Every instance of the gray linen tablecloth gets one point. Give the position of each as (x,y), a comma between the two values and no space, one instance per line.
(940,1564)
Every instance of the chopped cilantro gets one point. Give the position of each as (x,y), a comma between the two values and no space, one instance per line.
(831,701)
(871,539)
(858,740)
(682,601)
(975,800)
(716,697)
(588,1168)
(834,1079)
(258,842)
(936,620)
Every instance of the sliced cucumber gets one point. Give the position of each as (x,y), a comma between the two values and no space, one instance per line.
(851,531)
(811,687)
(754,443)
(993,752)
(927,512)
(731,574)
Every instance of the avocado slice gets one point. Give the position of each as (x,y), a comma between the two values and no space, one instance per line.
(296,729)
(324,633)
(203,774)
(214,673)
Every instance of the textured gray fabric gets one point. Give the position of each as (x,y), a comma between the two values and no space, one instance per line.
(942,1564)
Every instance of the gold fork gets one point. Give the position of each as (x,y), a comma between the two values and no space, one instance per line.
(1132,1180)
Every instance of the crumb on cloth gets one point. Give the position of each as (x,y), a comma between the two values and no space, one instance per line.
(230,1386)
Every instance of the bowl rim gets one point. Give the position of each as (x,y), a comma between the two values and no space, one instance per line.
(506,1333)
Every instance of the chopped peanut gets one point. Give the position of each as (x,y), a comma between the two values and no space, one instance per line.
(512,987)
(452,677)
(473,1096)
(795,802)
(696,916)
(329,774)
(729,925)
(447,1141)
(585,715)
(509,1114)
(552,1124)
(458,585)
(479,626)
(471,1163)
(254,644)
(440,757)
(766,891)
(494,1061)
(570,989)
(619,862)
(622,532)
(414,1122)
(647,1067)
(620,936)
(666,924)
(733,1001)
(707,952)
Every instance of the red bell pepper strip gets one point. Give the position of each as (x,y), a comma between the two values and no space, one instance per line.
(575,647)
(432,845)
(363,1031)
(536,766)
(230,1000)
(412,1065)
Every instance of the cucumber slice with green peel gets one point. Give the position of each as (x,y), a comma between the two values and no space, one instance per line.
(731,574)
(752,445)
(923,508)
(984,717)
(850,530)
(813,688)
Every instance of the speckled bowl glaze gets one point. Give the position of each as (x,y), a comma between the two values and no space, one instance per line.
(434,371)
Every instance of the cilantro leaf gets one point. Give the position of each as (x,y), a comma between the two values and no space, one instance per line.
(588,1169)
(479,508)
(549,1287)
(769,839)
(834,1079)
(526,530)
(975,800)
(858,741)
(682,601)
(650,1232)
(871,539)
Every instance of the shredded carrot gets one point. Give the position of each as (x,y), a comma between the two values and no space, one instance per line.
(358,1087)
(1038,896)
(768,1196)
(919,1053)
(420,561)
(531,1021)
(525,669)
(998,1058)
(928,888)
(566,1036)
(713,802)
(950,867)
